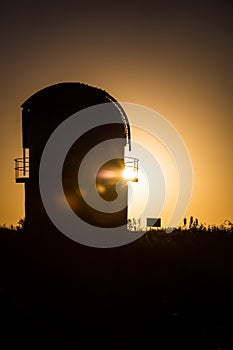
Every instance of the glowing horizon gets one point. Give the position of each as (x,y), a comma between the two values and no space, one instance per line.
(174,60)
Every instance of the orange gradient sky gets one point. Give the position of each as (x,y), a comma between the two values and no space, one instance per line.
(173,57)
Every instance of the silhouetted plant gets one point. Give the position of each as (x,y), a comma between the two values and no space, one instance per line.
(134,224)
(21,224)
(190,221)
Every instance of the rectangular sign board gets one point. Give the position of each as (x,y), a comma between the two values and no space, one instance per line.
(153,222)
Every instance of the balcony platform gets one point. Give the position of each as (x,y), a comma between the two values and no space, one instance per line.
(21,180)
(21,170)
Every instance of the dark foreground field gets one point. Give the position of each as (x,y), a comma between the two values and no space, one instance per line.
(165,291)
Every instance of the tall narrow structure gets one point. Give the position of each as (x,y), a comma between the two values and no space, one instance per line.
(42,113)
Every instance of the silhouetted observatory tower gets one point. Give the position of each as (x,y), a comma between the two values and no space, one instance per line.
(42,113)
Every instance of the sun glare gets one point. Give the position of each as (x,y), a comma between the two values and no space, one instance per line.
(129,174)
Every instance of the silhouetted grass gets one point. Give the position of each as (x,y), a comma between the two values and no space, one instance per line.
(164,291)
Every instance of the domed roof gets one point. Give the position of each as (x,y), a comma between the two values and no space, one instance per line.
(70,97)
(66,92)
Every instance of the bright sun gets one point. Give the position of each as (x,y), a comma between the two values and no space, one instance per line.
(129,174)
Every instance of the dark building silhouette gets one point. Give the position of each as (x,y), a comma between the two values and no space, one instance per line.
(41,115)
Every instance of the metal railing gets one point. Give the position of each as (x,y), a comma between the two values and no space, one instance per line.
(131,168)
(21,169)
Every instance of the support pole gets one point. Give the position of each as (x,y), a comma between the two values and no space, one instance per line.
(24,162)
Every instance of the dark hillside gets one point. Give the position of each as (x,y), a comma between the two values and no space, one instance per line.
(163,291)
